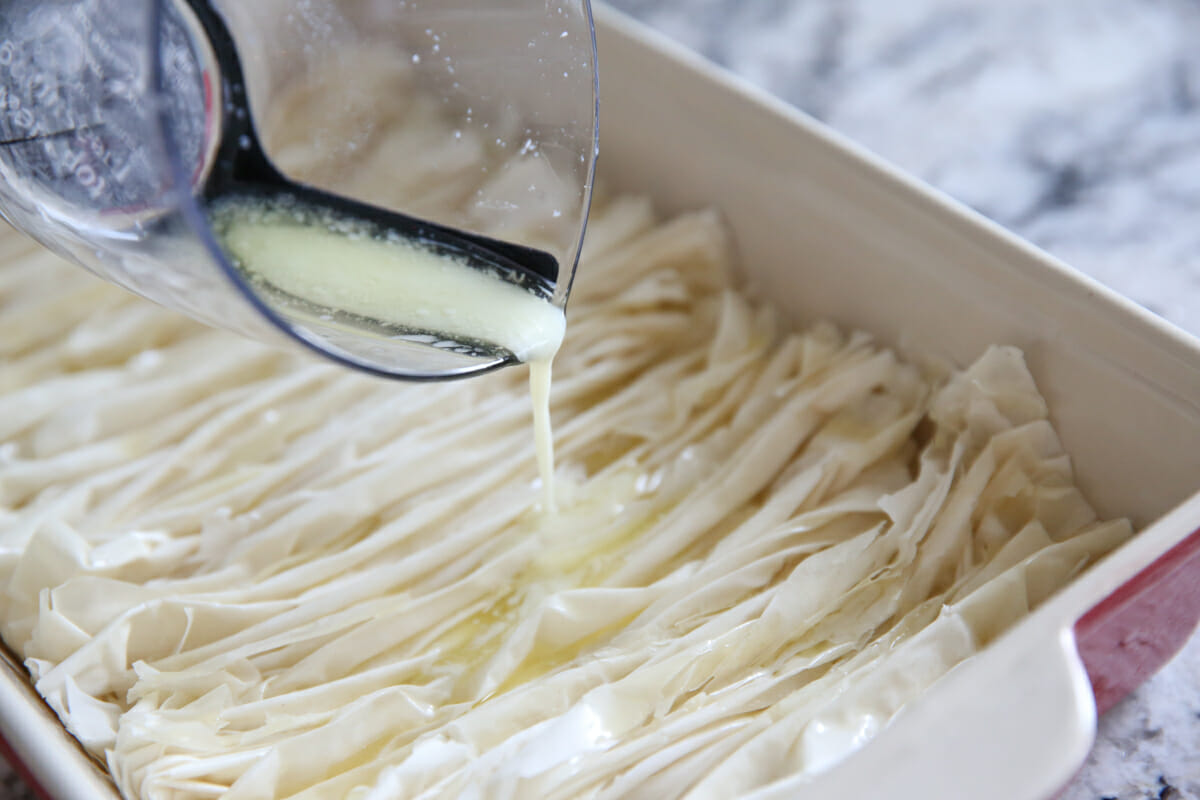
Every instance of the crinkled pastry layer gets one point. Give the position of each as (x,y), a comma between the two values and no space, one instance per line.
(238,572)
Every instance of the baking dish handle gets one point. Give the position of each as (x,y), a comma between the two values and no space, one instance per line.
(1029,705)
(1024,717)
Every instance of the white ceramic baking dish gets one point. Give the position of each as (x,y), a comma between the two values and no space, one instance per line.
(828,231)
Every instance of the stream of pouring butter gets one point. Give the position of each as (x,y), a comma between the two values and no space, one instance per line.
(323,266)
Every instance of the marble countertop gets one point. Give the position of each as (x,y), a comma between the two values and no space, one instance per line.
(1075,123)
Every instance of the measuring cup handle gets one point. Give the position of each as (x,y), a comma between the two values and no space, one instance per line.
(240,158)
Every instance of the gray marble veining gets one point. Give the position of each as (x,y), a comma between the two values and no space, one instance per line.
(1074,123)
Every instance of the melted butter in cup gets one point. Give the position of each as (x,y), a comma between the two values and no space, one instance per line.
(309,262)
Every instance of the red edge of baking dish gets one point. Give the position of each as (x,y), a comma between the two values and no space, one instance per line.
(22,770)
(1131,633)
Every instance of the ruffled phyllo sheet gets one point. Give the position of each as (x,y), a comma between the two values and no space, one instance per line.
(238,572)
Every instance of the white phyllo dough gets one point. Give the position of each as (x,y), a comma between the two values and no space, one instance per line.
(237,572)
(240,572)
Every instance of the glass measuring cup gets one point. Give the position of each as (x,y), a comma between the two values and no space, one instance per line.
(477,116)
